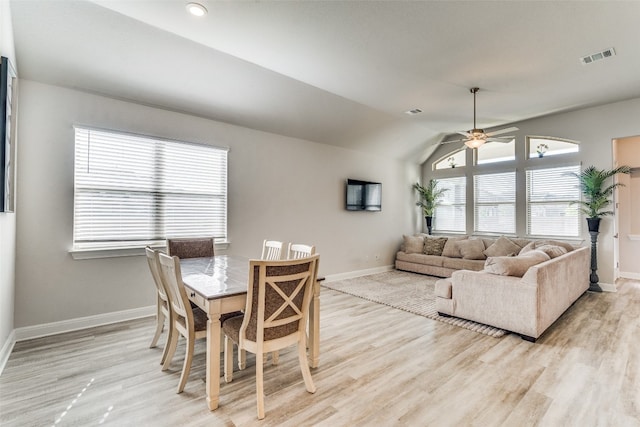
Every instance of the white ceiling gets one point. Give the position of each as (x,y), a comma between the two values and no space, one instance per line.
(338,72)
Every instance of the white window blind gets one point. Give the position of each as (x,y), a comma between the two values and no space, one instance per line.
(450,213)
(495,203)
(135,190)
(549,193)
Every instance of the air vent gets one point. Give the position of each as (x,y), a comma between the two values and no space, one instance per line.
(607,53)
(413,112)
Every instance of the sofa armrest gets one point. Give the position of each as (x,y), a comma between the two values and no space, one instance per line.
(560,282)
(502,301)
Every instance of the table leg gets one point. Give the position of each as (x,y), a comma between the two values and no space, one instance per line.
(213,360)
(314,327)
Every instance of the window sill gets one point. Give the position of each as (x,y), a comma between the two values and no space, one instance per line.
(116,252)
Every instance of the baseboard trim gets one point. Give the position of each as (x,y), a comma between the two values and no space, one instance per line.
(7,348)
(629,275)
(37,331)
(358,273)
(608,287)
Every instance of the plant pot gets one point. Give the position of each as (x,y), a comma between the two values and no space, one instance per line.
(593,224)
(540,154)
(429,220)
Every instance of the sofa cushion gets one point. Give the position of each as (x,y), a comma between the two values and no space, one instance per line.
(552,250)
(502,247)
(471,249)
(514,266)
(434,245)
(420,259)
(443,288)
(451,249)
(463,264)
(538,243)
(413,244)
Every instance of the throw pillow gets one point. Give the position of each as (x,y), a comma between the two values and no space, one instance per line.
(434,245)
(514,266)
(471,249)
(413,244)
(451,249)
(552,250)
(502,247)
(540,243)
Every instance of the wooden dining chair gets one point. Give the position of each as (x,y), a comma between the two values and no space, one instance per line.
(191,247)
(297,250)
(271,250)
(163,308)
(189,322)
(275,316)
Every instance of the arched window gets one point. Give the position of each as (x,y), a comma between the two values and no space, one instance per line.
(543,146)
(454,159)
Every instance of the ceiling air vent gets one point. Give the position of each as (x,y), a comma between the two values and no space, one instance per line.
(413,112)
(607,53)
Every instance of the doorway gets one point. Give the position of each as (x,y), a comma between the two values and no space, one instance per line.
(626,151)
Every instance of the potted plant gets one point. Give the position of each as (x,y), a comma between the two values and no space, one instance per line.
(429,197)
(541,149)
(597,194)
(597,197)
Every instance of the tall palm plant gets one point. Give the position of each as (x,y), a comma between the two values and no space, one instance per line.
(597,195)
(430,195)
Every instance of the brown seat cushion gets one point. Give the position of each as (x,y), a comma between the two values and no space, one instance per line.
(434,245)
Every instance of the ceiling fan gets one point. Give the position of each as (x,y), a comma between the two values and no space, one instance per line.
(476,137)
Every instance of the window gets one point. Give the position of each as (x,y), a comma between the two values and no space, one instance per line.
(454,159)
(493,152)
(549,193)
(134,190)
(546,146)
(450,213)
(495,202)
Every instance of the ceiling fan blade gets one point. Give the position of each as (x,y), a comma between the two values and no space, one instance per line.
(454,140)
(501,131)
(503,139)
(465,134)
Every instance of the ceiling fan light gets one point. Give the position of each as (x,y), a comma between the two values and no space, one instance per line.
(474,143)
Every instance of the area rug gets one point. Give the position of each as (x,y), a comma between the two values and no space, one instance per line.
(406,291)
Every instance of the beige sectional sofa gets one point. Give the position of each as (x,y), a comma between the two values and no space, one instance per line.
(526,305)
(441,256)
(519,285)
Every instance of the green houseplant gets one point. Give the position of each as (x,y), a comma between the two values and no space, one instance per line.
(597,194)
(430,196)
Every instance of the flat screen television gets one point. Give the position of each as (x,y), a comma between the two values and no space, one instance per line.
(363,195)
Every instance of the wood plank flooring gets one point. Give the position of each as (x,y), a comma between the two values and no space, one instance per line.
(379,366)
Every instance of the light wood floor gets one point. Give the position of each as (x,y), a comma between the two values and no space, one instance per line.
(379,367)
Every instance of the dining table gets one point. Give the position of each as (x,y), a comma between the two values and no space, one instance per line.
(218,285)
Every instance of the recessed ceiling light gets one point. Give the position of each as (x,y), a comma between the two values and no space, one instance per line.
(196,9)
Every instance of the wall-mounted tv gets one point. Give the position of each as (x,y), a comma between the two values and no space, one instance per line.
(363,195)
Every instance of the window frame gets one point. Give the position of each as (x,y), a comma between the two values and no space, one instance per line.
(454,204)
(157,169)
(568,201)
(477,205)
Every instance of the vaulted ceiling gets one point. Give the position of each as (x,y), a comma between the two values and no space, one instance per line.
(338,72)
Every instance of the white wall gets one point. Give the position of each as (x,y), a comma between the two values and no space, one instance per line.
(7,220)
(279,188)
(595,128)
